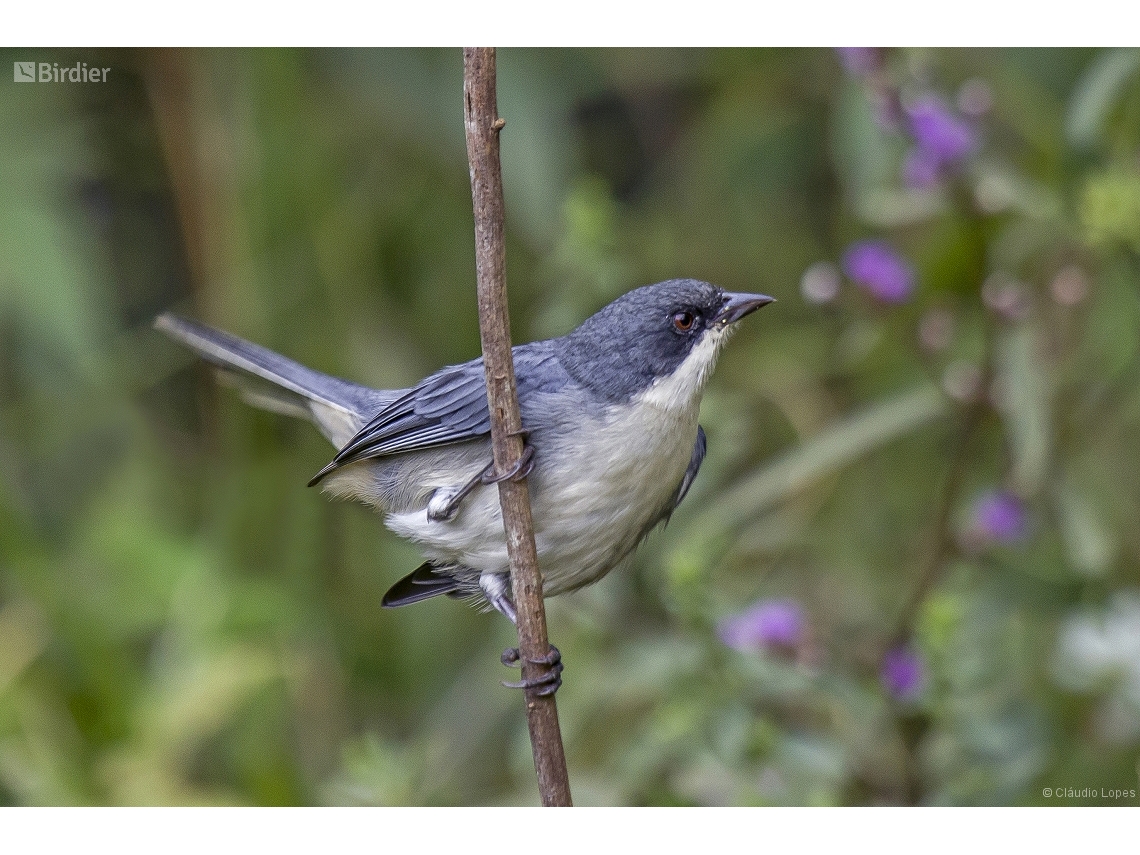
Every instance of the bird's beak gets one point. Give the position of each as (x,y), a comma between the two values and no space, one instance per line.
(736,306)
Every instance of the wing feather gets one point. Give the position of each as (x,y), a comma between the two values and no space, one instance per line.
(447,407)
(690,475)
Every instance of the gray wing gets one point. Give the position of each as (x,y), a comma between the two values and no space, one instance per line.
(690,474)
(447,407)
(273,382)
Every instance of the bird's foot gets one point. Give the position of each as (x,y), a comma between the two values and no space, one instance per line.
(520,470)
(543,686)
(445,501)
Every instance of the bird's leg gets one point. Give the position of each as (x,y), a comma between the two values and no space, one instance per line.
(445,501)
(495,588)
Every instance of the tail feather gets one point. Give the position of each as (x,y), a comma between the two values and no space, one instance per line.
(339,408)
(424,582)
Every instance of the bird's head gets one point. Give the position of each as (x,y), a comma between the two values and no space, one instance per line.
(659,342)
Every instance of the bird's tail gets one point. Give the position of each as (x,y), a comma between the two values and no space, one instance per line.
(272,382)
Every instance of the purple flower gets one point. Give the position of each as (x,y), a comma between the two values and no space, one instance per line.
(943,137)
(875,266)
(769,623)
(1000,516)
(903,673)
(859,61)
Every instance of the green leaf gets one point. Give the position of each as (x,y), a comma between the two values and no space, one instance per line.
(1025,387)
(23,637)
(1110,209)
(836,446)
(864,155)
(1096,92)
(889,208)
(1088,542)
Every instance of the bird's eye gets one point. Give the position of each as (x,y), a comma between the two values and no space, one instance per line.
(684,321)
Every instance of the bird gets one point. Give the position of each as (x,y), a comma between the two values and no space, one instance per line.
(610,417)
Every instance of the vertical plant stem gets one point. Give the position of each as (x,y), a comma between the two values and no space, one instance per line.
(482,125)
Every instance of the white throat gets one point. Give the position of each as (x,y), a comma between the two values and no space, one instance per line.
(683,388)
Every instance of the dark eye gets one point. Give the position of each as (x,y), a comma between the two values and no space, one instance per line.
(684,321)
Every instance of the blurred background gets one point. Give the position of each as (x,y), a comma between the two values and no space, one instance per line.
(909,572)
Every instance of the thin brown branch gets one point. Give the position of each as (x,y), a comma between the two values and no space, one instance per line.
(942,535)
(482,126)
(913,728)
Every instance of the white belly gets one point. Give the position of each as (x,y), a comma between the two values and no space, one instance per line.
(616,475)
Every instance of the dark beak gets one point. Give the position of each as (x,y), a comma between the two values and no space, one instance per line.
(736,306)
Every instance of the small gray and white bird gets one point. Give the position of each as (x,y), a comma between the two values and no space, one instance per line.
(610,411)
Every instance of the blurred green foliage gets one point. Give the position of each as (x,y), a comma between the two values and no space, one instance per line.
(181,621)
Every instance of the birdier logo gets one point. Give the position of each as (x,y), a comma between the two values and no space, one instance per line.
(50,72)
